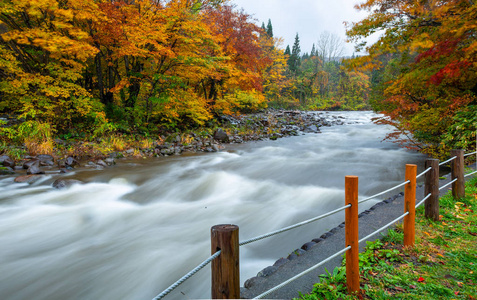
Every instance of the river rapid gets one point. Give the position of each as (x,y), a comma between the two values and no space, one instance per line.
(135,228)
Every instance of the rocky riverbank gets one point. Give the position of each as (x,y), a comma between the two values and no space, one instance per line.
(269,125)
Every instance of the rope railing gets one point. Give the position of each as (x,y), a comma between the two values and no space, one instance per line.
(475,152)
(187,276)
(424,173)
(449,160)
(467,175)
(423,200)
(261,296)
(446,185)
(267,235)
(384,227)
(384,192)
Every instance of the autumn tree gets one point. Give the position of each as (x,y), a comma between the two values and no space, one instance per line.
(239,41)
(436,47)
(44,47)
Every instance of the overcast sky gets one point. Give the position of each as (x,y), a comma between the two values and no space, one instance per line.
(308,18)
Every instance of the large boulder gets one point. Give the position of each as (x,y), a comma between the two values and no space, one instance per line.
(35,169)
(31,162)
(221,136)
(6,161)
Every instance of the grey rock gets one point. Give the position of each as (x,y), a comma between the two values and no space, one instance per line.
(110,161)
(102,163)
(251,282)
(167,151)
(308,246)
(317,240)
(35,169)
(6,161)
(292,256)
(267,271)
(70,161)
(280,262)
(29,163)
(65,183)
(221,135)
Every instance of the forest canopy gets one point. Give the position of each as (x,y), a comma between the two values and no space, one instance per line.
(101,67)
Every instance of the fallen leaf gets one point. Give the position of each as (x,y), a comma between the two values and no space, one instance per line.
(427,233)
(444,223)
(412,286)
(399,289)
(421,279)
(460,284)
(456,293)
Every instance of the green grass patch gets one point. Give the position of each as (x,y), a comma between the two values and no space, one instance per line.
(441,265)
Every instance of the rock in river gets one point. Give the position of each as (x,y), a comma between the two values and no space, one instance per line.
(65,183)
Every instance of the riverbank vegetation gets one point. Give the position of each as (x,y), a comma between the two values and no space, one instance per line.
(441,265)
(141,70)
(423,70)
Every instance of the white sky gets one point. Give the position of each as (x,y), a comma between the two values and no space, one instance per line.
(308,18)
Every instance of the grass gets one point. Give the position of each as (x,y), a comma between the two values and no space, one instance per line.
(441,265)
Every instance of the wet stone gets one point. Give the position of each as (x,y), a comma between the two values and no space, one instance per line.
(251,282)
(308,246)
(267,271)
(280,262)
(317,240)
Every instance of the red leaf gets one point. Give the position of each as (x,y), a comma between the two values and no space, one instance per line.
(456,293)
(420,279)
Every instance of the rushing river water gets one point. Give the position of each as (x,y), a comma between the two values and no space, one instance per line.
(137,227)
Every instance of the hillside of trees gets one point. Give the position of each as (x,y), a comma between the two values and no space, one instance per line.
(97,67)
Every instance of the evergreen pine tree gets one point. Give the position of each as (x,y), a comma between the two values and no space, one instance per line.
(294,60)
(313,51)
(270,28)
(263,27)
(287,50)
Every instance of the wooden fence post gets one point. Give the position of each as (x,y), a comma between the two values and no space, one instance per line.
(410,205)
(352,234)
(432,186)
(225,268)
(457,166)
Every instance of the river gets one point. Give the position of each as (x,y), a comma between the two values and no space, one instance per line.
(135,228)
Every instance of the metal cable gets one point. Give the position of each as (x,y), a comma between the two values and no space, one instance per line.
(379,194)
(267,235)
(470,153)
(427,170)
(187,276)
(450,159)
(384,227)
(445,185)
(423,200)
(466,175)
(301,274)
